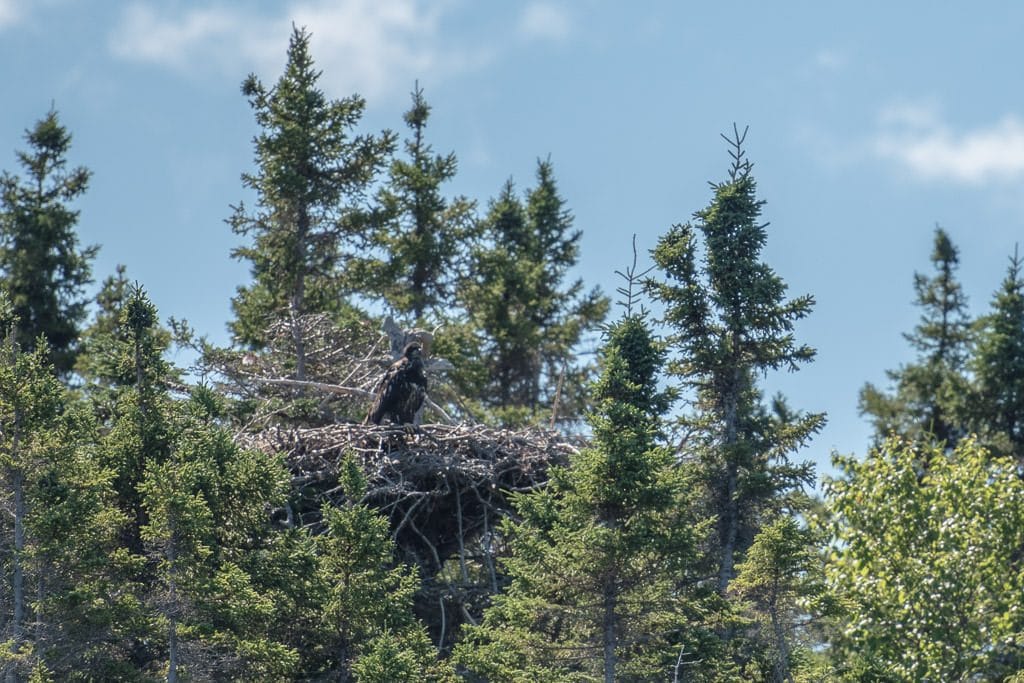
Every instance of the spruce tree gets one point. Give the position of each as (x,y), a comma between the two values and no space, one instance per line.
(599,558)
(57,543)
(421,233)
(927,399)
(369,626)
(42,266)
(312,177)
(998,366)
(531,320)
(730,322)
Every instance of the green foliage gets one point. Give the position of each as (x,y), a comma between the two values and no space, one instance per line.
(41,266)
(926,562)
(367,611)
(599,557)
(531,323)
(997,406)
(929,394)
(421,234)
(730,322)
(312,175)
(782,579)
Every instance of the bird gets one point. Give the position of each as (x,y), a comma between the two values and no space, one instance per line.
(401,391)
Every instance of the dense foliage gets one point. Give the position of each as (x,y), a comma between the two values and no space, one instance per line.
(239,522)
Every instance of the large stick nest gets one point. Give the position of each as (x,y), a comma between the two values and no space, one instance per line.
(440,485)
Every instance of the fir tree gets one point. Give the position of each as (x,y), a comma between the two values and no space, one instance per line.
(312,177)
(531,322)
(731,322)
(57,543)
(598,557)
(927,400)
(998,365)
(41,265)
(369,625)
(421,233)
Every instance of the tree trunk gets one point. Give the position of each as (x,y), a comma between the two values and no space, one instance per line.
(610,630)
(17,571)
(781,673)
(730,513)
(172,599)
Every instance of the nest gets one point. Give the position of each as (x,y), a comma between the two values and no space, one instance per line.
(443,487)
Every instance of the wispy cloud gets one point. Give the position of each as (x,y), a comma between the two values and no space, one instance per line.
(545,21)
(915,137)
(10,13)
(373,47)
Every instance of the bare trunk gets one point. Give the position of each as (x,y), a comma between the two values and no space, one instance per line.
(610,631)
(172,622)
(18,571)
(730,522)
(297,299)
(781,673)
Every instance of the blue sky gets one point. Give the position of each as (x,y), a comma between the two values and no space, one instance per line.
(870,123)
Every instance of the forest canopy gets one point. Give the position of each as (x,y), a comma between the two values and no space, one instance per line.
(595,486)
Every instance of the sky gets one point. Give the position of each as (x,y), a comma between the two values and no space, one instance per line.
(869,124)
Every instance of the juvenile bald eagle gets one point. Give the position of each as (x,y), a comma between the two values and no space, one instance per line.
(401,390)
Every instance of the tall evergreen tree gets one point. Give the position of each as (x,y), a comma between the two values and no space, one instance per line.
(312,177)
(598,557)
(531,321)
(927,399)
(421,233)
(41,265)
(998,366)
(731,322)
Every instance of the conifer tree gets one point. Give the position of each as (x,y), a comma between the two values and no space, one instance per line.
(421,233)
(927,399)
(367,612)
(201,566)
(598,557)
(42,266)
(531,321)
(57,542)
(312,176)
(730,322)
(998,366)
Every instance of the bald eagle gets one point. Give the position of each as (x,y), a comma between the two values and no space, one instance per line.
(401,390)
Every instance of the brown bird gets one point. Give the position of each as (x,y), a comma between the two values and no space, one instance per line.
(402,389)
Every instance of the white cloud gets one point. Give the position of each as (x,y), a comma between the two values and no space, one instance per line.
(10,13)
(916,137)
(373,47)
(544,21)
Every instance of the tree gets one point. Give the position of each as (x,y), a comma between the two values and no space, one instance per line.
(928,394)
(783,579)
(730,322)
(207,509)
(998,366)
(599,559)
(369,624)
(41,265)
(62,527)
(312,176)
(531,323)
(927,561)
(421,233)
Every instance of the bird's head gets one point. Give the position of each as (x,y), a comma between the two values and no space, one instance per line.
(413,351)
